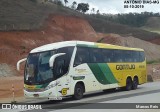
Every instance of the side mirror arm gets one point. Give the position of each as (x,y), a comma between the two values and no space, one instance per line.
(52,59)
(19,62)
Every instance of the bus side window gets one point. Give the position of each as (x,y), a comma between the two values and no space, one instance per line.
(59,67)
(96,55)
(128,56)
(82,56)
(135,55)
(67,57)
(107,55)
(141,56)
(118,56)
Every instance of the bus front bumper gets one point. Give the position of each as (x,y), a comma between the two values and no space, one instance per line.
(48,94)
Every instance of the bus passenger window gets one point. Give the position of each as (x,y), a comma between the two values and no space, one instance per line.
(128,56)
(59,67)
(135,55)
(67,57)
(96,55)
(82,56)
(141,56)
(107,55)
(117,56)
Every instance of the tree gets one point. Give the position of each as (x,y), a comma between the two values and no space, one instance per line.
(97,11)
(65,1)
(74,5)
(93,10)
(83,7)
(34,1)
(58,2)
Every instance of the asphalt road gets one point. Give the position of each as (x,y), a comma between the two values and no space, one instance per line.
(119,100)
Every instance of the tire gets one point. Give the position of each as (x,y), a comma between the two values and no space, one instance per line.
(128,84)
(78,92)
(135,83)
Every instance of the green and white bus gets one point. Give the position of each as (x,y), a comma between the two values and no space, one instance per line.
(72,68)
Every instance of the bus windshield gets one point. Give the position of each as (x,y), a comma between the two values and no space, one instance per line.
(37,68)
(38,71)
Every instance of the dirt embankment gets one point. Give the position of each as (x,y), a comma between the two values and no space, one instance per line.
(17,44)
(6,92)
(151,50)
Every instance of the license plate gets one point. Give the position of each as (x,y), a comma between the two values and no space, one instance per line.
(36,95)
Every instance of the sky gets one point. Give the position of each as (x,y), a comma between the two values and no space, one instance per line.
(117,6)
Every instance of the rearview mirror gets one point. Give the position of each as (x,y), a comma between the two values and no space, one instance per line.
(52,59)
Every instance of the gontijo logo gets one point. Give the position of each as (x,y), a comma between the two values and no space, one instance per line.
(125,67)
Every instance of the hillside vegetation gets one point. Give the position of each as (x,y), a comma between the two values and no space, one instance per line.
(152,25)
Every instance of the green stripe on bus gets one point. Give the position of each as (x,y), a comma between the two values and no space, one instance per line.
(107,73)
(102,73)
(42,86)
(98,73)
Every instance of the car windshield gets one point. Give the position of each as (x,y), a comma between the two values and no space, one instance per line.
(37,68)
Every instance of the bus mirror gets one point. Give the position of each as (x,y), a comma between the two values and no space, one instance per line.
(19,62)
(52,59)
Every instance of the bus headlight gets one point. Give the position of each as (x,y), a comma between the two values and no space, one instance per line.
(51,86)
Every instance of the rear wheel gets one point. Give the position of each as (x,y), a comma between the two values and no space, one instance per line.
(128,84)
(135,83)
(78,91)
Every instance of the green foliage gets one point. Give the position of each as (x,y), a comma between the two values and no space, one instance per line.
(74,5)
(98,12)
(58,2)
(153,61)
(65,1)
(83,7)
(130,19)
(100,40)
(34,1)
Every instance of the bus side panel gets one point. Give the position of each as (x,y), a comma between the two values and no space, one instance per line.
(83,74)
(104,75)
(122,71)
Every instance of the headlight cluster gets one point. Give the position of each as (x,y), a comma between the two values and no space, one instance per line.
(51,86)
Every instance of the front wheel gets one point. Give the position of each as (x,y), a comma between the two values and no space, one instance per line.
(78,92)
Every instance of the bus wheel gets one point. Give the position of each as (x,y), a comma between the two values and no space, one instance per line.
(78,91)
(128,84)
(135,83)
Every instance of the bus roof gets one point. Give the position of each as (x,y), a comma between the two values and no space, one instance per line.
(57,45)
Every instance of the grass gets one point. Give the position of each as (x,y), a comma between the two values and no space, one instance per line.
(153,61)
(152,30)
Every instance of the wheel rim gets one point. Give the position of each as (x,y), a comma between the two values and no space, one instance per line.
(79,91)
(135,83)
(129,86)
